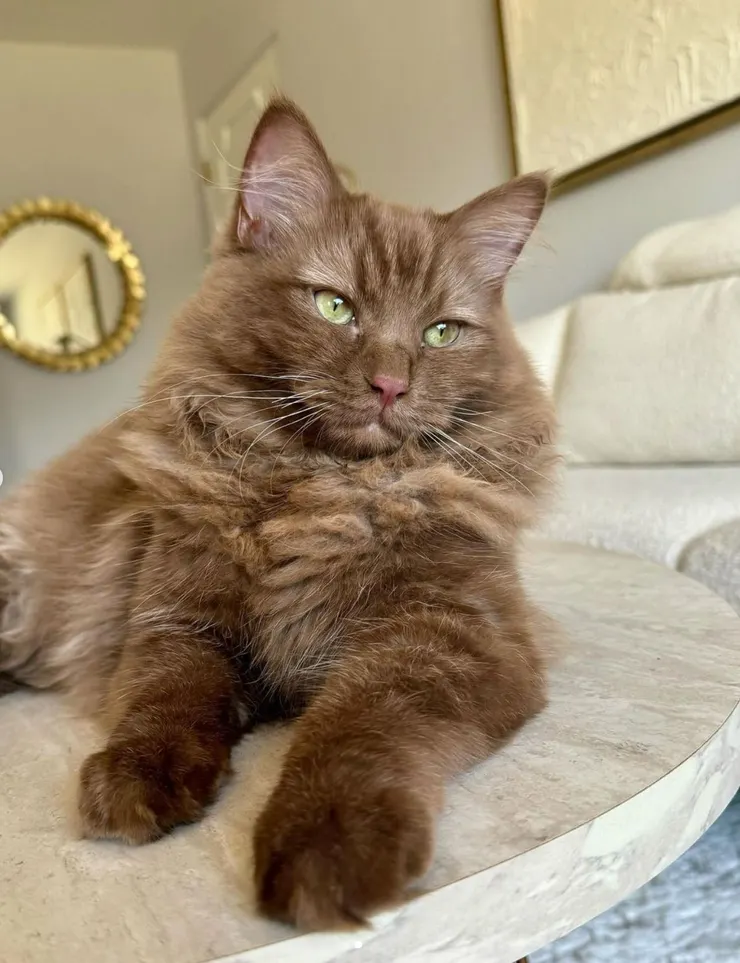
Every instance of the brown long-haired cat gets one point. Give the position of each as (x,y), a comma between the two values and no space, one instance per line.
(315,510)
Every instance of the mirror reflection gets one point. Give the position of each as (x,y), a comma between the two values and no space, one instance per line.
(59,290)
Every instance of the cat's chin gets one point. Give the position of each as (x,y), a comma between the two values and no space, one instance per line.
(362,441)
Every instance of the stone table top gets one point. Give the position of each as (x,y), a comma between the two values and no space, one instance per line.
(634,758)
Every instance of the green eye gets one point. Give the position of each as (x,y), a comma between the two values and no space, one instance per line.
(441,334)
(334,307)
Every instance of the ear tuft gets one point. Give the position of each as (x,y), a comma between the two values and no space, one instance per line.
(286,176)
(496,225)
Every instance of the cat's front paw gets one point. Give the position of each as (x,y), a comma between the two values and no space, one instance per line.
(137,792)
(324,863)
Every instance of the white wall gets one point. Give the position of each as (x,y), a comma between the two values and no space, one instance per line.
(409,93)
(105,127)
(590,228)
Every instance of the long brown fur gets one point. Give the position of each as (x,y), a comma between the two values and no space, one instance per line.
(259,537)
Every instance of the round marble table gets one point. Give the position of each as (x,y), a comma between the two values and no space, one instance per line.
(635,757)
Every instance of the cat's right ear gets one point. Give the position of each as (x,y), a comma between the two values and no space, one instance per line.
(287,175)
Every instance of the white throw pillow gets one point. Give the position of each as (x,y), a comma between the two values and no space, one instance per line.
(653,376)
(543,339)
(683,253)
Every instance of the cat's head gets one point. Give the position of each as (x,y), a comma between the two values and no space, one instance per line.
(334,320)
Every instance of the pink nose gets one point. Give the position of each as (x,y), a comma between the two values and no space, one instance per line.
(389,388)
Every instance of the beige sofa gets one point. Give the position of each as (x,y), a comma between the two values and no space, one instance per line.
(646,380)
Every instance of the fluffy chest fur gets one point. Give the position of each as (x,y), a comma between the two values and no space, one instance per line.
(314,554)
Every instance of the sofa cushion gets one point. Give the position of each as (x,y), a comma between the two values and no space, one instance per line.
(651,512)
(653,376)
(543,338)
(696,250)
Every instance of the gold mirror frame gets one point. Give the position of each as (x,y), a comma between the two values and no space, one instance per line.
(123,259)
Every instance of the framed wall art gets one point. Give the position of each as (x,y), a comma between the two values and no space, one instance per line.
(594,85)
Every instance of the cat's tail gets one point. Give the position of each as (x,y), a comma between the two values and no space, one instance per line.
(7,682)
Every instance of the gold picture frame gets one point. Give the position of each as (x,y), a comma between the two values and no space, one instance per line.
(122,257)
(714,118)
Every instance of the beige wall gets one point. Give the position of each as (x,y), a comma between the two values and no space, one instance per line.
(409,93)
(105,127)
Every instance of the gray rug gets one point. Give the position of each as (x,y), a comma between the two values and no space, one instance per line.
(688,914)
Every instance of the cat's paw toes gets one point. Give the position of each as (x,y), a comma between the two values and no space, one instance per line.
(113,802)
(331,864)
(138,793)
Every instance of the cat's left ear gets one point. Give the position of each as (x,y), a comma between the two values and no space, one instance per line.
(287,175)
(496,225)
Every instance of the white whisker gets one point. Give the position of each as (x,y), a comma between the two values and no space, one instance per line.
(496,468)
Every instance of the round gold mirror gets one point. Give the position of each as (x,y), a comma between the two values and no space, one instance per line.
(71,288)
